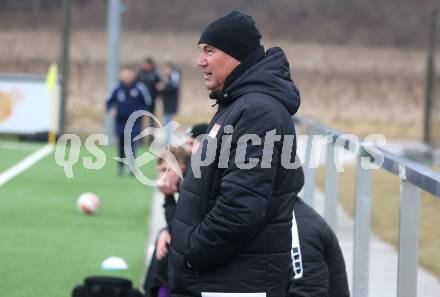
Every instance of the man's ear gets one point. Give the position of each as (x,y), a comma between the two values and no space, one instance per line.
(182,167)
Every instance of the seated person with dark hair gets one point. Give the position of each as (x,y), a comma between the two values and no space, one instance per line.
(318,264)
(168,184)
(156,279)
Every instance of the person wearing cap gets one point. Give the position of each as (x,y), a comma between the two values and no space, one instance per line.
(232,224)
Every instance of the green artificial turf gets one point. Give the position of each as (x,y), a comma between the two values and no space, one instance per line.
(47,246)
(11,153)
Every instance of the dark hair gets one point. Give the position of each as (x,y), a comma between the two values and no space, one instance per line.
(150,60)
(198,129)
(127,67)
(178,153)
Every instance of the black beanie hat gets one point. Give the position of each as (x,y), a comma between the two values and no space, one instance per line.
(235,34)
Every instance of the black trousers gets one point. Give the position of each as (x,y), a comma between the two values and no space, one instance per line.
(122,150)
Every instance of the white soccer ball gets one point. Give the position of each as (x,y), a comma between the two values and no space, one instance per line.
(88,203)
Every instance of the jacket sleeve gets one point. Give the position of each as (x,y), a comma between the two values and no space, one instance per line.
(111,99)
(336,266)
(145,94)
(170,208)
(242,199)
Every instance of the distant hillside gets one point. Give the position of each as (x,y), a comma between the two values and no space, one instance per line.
(400,23)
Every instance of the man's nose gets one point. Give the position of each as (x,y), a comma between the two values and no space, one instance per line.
(162,176)
(201,62)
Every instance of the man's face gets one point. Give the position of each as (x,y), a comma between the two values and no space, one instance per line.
(147,67)
(167,70)
(127,76)
(216,66)
(167,175)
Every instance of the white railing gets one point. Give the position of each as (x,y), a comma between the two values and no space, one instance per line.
(414,178)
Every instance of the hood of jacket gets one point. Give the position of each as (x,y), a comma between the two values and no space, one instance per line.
(267,73)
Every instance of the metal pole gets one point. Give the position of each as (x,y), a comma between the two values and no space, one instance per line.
(64,61)
(430,73)
(113,41)
(309,171)
(331,186)
(362,225)
(408,238)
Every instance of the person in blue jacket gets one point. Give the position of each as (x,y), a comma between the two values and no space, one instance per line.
(127,97)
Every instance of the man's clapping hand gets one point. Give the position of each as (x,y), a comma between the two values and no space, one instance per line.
(166,186)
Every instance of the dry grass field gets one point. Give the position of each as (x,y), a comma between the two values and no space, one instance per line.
(356,89)
(385,212)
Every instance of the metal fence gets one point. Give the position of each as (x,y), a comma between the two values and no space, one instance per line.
(413,177)
(431,113)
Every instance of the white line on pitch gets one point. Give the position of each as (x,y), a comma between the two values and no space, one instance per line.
(18,146)
(25,164)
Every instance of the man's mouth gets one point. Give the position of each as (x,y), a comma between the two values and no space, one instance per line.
(207,74)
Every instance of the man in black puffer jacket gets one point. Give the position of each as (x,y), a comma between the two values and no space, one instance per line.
(232,226)
(318,263)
